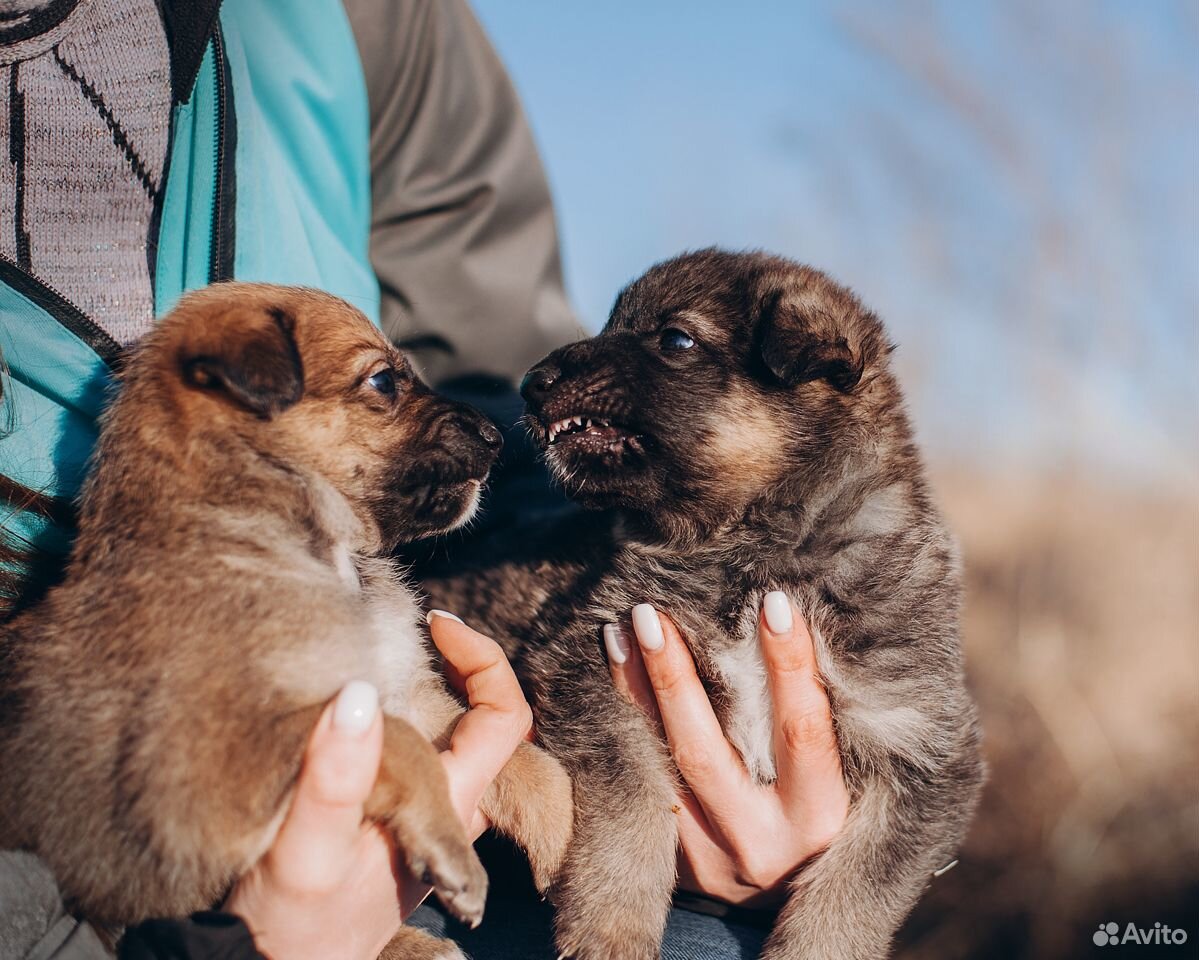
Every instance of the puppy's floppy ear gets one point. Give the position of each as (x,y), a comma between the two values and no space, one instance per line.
(808,334)
(250,355)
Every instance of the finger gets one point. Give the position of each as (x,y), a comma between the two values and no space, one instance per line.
(807,756)
(695,829)
(705,758)
(316,842)
(478,664)
(466,792)
(700,844)
(628,671)
(499,717)
(452,673)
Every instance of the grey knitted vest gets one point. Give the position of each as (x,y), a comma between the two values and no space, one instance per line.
(85,110)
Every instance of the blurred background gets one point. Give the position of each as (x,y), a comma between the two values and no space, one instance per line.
(1014,187)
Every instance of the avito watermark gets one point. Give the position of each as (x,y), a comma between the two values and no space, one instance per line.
(1109,934)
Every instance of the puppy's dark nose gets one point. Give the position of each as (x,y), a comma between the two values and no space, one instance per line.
(483,428)
(490,434)
(465,421)
(537,382)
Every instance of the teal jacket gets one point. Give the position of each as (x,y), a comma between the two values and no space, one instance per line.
(373,149)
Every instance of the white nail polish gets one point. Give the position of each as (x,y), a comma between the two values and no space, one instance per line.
(616,643)
(648,627)
(777,607)
(356,707)
(440,613)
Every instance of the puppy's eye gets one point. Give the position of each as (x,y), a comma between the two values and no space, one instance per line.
(673,339)
(385,382)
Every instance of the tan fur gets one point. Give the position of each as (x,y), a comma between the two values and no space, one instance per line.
(413,944)
(746,445)
(154,708)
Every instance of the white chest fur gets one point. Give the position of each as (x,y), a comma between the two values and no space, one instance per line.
(399,657)
(373,633)
(749,722)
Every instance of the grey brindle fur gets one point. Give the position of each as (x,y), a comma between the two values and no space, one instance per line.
(772,454)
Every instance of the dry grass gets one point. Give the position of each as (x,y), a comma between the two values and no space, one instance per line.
(1082,636)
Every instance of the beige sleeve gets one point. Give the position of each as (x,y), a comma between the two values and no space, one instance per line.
(463,240)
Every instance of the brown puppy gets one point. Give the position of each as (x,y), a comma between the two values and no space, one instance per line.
(738,422)
(267,444)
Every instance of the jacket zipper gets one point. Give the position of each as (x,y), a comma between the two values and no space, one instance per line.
(215,266)
(61,309)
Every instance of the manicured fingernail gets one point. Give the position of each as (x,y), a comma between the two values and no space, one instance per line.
(356,707)
(777,607)
(648,627)
(440,613)
(616,643)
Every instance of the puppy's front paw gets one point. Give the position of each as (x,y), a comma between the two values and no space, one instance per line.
(532,801)
(612,895)
(451,867)
(618,934)
(412,799)
(412,944)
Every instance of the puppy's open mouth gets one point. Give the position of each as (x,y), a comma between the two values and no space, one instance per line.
(596,433)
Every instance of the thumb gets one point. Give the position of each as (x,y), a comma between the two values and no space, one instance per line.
(317,840)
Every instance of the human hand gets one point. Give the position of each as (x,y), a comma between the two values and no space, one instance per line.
(328,887)
(498,720)
(740,841)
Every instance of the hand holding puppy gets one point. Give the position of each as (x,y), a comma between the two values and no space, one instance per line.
(740,842)
(327,888)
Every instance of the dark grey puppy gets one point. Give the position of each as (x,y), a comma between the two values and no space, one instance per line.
(738,422)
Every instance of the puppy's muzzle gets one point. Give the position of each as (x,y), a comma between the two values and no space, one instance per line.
(468,437)
(581,393)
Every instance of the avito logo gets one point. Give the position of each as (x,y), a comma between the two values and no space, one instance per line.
(1109,934)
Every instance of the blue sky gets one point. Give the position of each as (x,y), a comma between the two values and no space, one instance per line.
(1012,185)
